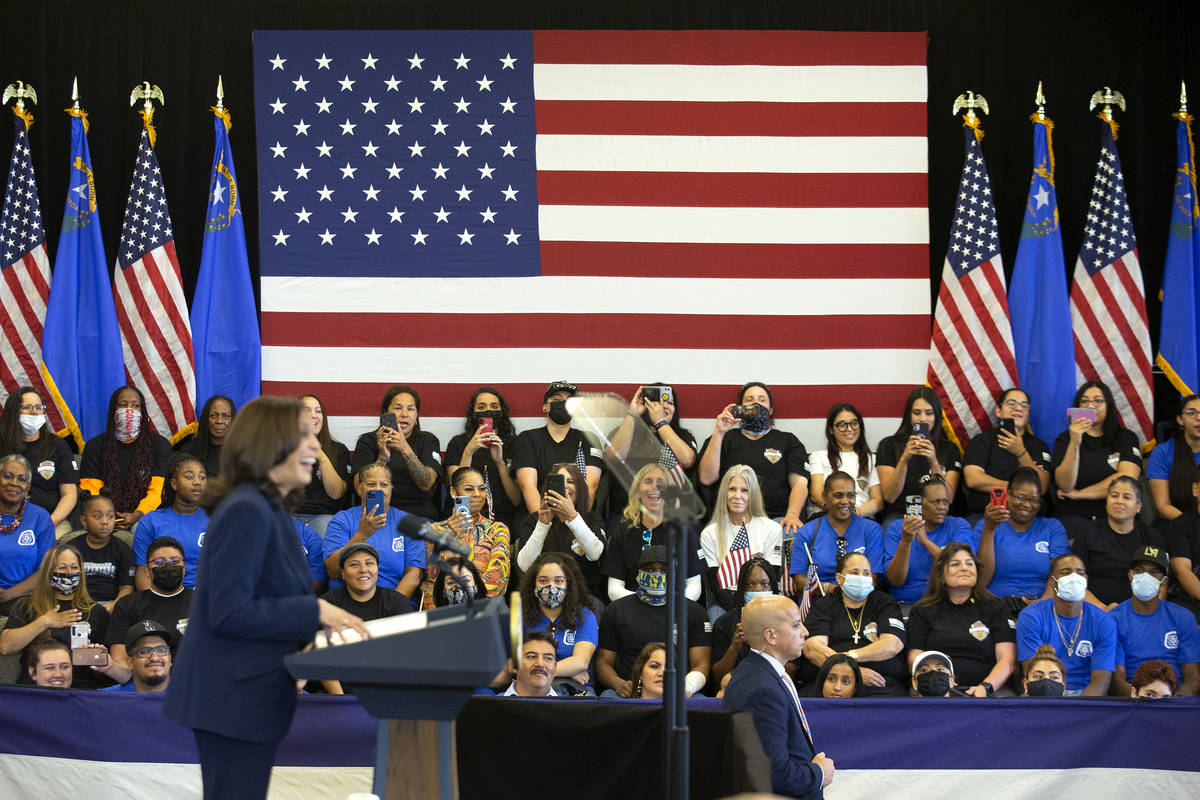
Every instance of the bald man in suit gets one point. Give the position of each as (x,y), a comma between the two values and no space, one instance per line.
(775,632)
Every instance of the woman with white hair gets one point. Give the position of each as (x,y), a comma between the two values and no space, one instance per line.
(739,530)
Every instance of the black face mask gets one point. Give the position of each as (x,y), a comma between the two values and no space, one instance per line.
(558,412)
(1044,687)
(933,683)
(167,578)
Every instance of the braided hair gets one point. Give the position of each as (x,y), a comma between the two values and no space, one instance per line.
(127,489)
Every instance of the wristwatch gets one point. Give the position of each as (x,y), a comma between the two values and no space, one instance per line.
(988,687)
(660,424)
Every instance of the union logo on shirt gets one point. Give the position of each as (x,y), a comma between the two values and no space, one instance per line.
(871,632)
(1171,640)
(46,470)
(398,544)
(1042,547)
(1084,650)
(200,539)
(26,539)
(772,455)
(979,630)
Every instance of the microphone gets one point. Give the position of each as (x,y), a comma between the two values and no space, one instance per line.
(420,528)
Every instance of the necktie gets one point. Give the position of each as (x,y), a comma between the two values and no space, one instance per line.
(791,687)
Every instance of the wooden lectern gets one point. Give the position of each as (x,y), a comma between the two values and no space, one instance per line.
(415,683)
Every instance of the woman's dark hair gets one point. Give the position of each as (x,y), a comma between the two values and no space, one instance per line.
(461,474)
(636,674)
(759,384)
(846,556)
(390,395)
(1155,670)
(1045,652)
(674,423)
(323,436)
(1026,476)
(261,437)
(1134,484)
(439,585)
(937,434)
(827,667)
(1004,396)
(577,593)
(1183,465)
(502,424)
(582,504)
(203,436)
(130,487)
(931,480)
(12,438)
(87,498)
(1112,422)
(834,453)
(744,579)
(177,462)
(935,590)
(841,475)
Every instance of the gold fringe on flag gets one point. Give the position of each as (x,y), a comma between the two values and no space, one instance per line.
(79,112)
(223,113)
(148,121)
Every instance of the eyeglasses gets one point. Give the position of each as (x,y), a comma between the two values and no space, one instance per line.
(1190,413)
(146,652)
(1017,405)
(1091,401)
(162,562)
(1025,499)
(33,409)
(847,425)
(22,478)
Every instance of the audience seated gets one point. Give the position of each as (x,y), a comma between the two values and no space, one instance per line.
(1172,464)
(992,456)
(149,646)
(402,558)
(839,678)
(562,525)
(54,481)
(59,607)
(776,456)
(539,450)
(554,598)
(325,494)
(490,452)
(631,621)
(827,538)
(414,456)
(1150,628)
(847,451)
(961,618)
(740,528)
(212,422)
(1045,675)
(49,664)
(729,647)
(449,592)
(919,447)
(130,458)
(648,672)
(26,533)
(1082,634)
(641,526)
(166,602)
(535,672)
(861,621)
(1015,546)
(1183,544)
(487,539)
(181,518)
(1107,545)
(672,441)
(911,544)
(1088,455)
(933,676)
(108,562)
(1154,680)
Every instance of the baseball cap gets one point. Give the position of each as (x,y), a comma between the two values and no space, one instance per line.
(350,550)
(147,627)
(652,554)
(936,655)
(1153,555)
(560,386)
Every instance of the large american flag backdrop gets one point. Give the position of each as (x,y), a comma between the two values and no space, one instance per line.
(455,208)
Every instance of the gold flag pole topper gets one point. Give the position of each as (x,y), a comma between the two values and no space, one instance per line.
(1107,98)
(146,92)
(23,92)
(971,101)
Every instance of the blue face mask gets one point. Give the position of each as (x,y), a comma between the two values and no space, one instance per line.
(752,595)
(652,588)
(857,587)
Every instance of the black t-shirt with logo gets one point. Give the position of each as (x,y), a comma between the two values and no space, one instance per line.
(625,547)
(537,449)
(888,455)
(1098,460)
(773,457)
(406,495)
(627,625)
(384,603)
(967,632)
(170,612)
(879,615)
(503,509)
(49,471)
(107,568)
(985,452)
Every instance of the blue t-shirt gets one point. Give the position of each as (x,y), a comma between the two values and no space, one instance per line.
(121,687)
(397,552)
(1095,644)
(862,536)
(314,550)
(187,529)
(1170,633)
(953,529)
(588,631)
(22,550)
(1023,559)
(1158,466)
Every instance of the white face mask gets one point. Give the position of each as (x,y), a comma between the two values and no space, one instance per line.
(32,423)
(1145,586)
(1071,588)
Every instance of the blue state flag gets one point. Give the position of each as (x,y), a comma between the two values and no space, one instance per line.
(81,343)
(225,337)
(1038,303)
(1179,336)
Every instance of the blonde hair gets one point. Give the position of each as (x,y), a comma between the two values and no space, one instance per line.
(44,599)
(720,517)
(632,515)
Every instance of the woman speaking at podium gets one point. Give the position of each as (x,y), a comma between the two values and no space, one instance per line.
(253,603)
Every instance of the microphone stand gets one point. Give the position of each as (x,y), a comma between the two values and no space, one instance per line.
(676,733)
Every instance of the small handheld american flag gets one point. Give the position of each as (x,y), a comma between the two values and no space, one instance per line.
(739,554)
(811,584)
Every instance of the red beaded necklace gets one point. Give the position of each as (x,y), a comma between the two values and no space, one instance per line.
(17,517)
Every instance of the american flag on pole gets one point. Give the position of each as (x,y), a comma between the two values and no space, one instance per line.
(156,338)
(1108,302)
(26,285)
(739,553)
(971,359)
(465,207)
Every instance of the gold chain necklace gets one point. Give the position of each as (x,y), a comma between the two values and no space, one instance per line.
(855,626)
(1070,643)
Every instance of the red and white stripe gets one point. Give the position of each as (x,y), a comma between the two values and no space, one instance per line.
(156,338)
(23,296)
(714,207)
(1112,338)
(727,574)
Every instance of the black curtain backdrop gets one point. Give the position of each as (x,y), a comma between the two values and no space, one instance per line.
(1000,48)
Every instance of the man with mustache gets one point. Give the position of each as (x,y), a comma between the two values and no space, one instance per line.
(538,666)
(50,664)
